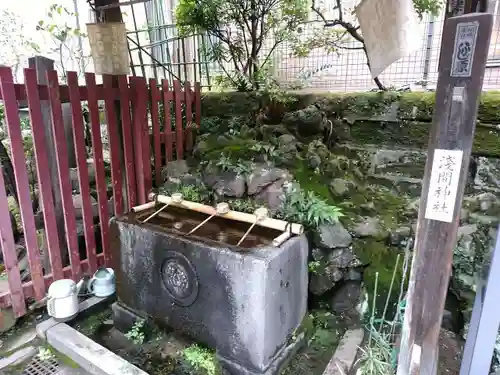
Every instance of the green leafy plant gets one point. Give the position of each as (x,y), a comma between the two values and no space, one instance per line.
(313,266)
(243,205)
(269,151)
(307,208)
(210,125)
(195,193)
(45,353)
(15,42)
(200,358)
(239,166)
(66,39)
(239,30)
(137,332)
(379,355)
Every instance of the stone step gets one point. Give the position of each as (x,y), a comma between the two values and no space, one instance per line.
(88,354)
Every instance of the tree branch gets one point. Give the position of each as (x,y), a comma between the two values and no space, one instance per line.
(351,29)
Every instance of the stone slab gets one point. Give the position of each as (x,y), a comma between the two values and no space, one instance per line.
(89,306)
(67,370)
(345,354)
(18,357)
(88,354)
(19,339)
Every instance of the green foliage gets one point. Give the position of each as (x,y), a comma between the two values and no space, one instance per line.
(428,6)
(2,113)
(64,37)
(198,193)
(304,207)
(328,39)
(15,43)
(379,355)
(45,353)
(243,205)
(227,164)
(210,125)
(314,266)
(252,24)
(200,358)
(137,332)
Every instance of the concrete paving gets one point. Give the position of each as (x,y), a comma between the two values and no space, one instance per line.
(345,354)
(66,370)
(87,353)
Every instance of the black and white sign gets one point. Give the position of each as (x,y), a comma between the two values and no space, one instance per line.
(463,53)
(443,185)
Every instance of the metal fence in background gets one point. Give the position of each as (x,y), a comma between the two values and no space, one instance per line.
(157,51)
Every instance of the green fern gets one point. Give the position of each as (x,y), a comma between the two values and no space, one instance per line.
(136,333)
(307,208)
(200,358)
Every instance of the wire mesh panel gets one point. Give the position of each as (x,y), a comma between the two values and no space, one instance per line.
(39,366)
(158,51)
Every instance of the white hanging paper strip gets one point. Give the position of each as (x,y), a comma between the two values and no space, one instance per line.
(109,47)
(390,30)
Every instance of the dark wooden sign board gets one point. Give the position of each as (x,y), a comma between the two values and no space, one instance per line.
(464,51)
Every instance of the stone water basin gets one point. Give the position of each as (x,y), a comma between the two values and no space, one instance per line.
(244,301)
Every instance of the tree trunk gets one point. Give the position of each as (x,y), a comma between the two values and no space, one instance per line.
(8,172)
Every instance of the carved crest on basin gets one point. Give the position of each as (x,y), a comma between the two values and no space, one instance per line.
(179,278)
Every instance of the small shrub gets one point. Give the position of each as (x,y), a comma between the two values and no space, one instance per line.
(379,356)
(136,333)
(243,205)
(313,266)
(45,354)
(200,358)
(307,208)
(239,166)
(194,193)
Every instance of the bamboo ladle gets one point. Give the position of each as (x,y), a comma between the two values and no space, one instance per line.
(176,198)
(221,209)
(260,213)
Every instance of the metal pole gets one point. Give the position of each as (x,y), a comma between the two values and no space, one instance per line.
(485,320)
(462,63)
(428,50)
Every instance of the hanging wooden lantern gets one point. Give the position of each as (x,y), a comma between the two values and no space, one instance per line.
(109,47)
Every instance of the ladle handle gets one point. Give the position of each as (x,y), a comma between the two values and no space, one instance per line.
(155,213)
(246,234)
(202,223)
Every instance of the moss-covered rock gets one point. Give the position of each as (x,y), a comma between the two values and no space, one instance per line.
(395,119)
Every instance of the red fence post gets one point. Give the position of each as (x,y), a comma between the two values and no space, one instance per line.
(114,144)
(179,128)
(155,98)
(188,100)
(167,121)
(83,170)
(141,138)
(43,173)
(197,93)
(22,183)
(128,146)
(63,173)
(102,197)
(9,253)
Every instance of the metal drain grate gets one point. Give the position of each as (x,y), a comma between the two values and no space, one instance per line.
(37,366)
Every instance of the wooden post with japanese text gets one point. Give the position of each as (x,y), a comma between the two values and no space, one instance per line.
(464,50)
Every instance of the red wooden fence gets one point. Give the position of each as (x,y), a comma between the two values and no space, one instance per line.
(130,133)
